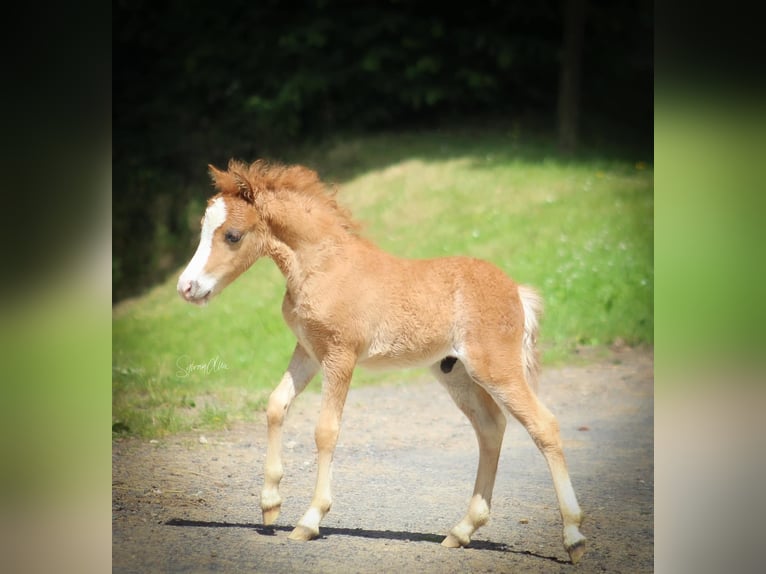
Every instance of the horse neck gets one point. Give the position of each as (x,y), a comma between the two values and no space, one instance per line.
(304,241)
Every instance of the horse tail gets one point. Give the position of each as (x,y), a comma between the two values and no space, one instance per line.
(532,304)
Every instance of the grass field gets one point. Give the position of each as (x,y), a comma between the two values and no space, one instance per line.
(580,230)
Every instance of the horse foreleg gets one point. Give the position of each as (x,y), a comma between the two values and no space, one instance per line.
(301,370)
(334,392)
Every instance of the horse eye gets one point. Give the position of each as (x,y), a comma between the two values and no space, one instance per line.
(232,236)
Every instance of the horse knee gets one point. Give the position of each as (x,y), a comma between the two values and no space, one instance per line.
(326,435)
(276,409)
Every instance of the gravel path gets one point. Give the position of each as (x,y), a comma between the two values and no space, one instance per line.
(403,474)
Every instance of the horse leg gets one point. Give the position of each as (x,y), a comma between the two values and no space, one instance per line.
(337,377)
(300,371)
(488,421)
(509,387)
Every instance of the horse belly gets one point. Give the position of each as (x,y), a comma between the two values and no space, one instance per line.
(386,355)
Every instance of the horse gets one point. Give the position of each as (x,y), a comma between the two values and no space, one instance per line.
(350,303)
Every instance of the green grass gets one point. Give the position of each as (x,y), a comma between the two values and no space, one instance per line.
(580,230)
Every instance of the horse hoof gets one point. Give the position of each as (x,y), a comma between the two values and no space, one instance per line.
(303,533)
(270,516)
(576,551)
(458,537)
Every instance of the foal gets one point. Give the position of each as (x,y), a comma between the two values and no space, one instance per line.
(349,303)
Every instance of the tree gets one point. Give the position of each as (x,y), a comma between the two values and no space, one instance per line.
(571,72)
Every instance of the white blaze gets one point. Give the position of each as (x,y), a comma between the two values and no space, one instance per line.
(194,273)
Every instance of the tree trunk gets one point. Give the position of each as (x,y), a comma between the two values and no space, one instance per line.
(569,80)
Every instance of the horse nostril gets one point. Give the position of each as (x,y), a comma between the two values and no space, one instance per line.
(185,288)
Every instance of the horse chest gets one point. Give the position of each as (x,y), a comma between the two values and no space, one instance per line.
(312,332)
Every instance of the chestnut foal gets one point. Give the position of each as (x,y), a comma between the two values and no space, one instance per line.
(349,303)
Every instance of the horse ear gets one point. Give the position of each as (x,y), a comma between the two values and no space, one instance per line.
(222,180)
(232,182)
(244,187)
(214,172)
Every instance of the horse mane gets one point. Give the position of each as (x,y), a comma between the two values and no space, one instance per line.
(250,180)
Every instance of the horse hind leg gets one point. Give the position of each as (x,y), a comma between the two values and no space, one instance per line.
(544,430)
(509,387)
(488,422)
